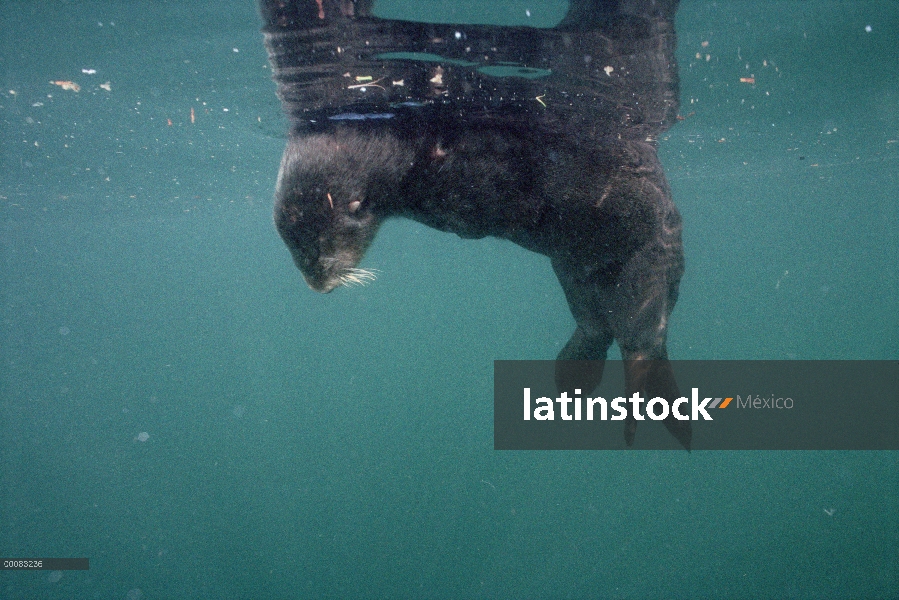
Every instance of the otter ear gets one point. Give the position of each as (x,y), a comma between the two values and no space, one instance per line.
(354,206)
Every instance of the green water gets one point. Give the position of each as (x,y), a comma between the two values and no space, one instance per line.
(341,446)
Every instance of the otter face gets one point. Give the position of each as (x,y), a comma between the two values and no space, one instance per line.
(327,206)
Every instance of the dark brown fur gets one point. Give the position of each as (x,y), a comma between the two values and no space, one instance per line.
(587,190)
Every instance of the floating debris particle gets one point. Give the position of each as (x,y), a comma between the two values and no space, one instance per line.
(106,86)
(68,85)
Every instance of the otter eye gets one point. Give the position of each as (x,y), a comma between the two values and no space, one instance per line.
(354,206)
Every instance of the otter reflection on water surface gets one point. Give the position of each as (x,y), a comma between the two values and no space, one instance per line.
(545,137)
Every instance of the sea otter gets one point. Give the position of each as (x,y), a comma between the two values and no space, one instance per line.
(545,137)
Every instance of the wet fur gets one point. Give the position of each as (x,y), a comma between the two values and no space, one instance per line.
(575,177)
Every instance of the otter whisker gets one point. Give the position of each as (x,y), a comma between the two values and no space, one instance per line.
(357,276)
(369,274)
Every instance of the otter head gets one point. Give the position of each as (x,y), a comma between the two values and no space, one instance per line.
(333,191)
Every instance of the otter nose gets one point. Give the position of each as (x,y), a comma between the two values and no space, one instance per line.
(322,287)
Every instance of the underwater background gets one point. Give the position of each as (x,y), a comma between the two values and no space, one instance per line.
(177,405)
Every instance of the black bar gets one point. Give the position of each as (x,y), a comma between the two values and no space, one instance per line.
(44,564)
